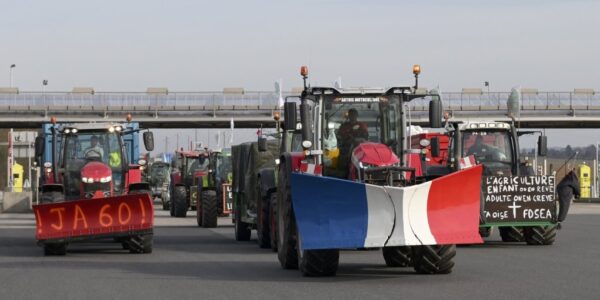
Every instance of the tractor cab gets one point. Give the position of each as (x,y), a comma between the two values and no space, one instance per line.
(93,161)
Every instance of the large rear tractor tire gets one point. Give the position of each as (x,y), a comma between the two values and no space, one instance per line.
(242,229)
(286,224)
(397,256)
(55,249)
(435,259)
(179,202)
(273,221)
(540,235)
(140,243)
(511,234)
(263,231)
(210,213)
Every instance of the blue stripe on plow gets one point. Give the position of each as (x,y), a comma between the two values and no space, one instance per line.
(330,213)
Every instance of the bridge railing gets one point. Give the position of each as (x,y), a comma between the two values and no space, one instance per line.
(452,100)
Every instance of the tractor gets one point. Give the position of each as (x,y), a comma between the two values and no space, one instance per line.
(215,197)
(354,185)
(90,190)
(197,182)
(512,209)
(159,177)
(254,183)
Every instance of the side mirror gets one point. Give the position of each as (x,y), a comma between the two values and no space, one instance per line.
(542,145)
(435,147)
(39,146)
(289,115)
(148,140)
(262,144)
(435,113)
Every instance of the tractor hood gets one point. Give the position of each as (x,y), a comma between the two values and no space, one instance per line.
(374,154)
(95,172)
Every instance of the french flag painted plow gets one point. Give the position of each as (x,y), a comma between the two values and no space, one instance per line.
(333,213)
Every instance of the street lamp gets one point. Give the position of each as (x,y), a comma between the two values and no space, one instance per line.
(487,85)
(10,73)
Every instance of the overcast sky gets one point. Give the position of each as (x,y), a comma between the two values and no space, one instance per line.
(208,45)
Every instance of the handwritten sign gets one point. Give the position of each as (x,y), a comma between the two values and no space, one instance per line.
(89,217)
(519,198)
(227,198)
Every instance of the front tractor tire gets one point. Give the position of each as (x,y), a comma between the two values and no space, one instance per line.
(242,229)
(139,244)
(208,209)
(511,234)
(433,259)
(179,202)
(55,249)
(286,224)
(540,235)
(318,263)
(397,256)
(273,222)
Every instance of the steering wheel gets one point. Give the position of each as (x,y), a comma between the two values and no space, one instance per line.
(97,156)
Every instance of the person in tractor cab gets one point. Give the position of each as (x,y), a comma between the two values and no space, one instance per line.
(94,151)
(352,130)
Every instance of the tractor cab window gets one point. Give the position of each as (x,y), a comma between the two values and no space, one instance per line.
(223,166)
(488,147)
(349,122)
(200,163)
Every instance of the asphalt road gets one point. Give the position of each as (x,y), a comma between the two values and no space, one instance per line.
(194,263)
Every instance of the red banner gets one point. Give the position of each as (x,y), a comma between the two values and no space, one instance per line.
(89,217)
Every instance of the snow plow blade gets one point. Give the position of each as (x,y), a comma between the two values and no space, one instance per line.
(94,218)
(335,214)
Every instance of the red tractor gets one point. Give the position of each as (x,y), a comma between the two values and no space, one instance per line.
(356,185)
(91,191)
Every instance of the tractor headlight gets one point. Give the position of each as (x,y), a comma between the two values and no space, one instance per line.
(306,144)
(105,179)
(47,164)
(67,131)
(87,179)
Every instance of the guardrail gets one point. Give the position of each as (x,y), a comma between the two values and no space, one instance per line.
(260,100)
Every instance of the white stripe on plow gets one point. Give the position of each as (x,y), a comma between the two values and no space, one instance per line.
(380,216)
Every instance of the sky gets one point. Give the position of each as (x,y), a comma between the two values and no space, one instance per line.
(208,45)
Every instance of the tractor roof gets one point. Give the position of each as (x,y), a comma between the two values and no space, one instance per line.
(483,124)
(359,91)
(92,126)
(192,153)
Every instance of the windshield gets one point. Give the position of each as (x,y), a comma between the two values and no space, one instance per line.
(351,121)
(223,165)
(200,163)
(488,146)
(92,146)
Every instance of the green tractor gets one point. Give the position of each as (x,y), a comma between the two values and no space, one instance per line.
(215,192)
(159,179)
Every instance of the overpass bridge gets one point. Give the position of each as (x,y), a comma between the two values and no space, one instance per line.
(251,109)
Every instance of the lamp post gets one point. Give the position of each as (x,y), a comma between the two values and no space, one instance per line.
(10,72)
(596,178)
(487,85)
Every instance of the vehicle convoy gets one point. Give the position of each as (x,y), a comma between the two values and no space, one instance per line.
(197,182)
(368,191)
(90,189)
(521,204)
(159,178)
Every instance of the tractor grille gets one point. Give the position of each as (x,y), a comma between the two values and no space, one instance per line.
(90,188)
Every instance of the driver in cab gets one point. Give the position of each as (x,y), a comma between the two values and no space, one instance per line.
(94,150)
(352,129)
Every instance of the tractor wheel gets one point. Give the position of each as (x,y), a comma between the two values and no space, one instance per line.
(273,221)
(286,224)
(171,208)
(318,263)
(434,259)
(179,203)
(262,224)
(540,235)
(51,197)
(140,243)
(209,208)
(55,249)
(199,213)
(511,234)
(397,256)
(485,231)
(242,229)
